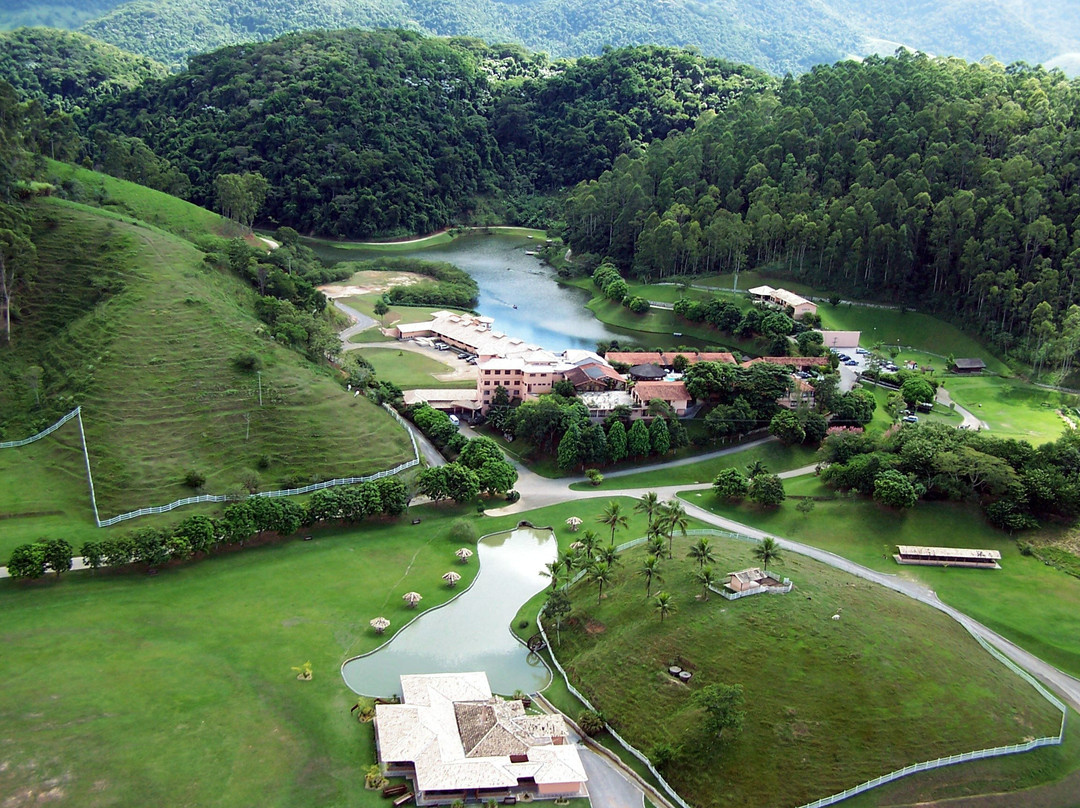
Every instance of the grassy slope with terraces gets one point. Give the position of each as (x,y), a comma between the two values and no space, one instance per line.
(152,362)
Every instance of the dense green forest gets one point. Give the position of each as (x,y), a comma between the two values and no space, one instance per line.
(364,133)
(938,183)
(778,35)
(65,70)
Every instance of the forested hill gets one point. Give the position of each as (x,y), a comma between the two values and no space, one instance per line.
(775,35)
(63,70)
(948,185)
(363,133)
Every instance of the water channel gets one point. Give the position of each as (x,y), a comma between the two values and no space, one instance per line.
(472,632)
(521,292)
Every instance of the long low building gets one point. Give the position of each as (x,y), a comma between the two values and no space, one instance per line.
(782,298)
(456,741)
(947,556)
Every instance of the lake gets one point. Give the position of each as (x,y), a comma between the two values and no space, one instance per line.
(472,632)
(547,313)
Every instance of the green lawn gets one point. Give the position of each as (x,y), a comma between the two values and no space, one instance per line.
(335,250)
(139,202)
(940,414)
(407,369)
(829,704)
(774,454)
(1010,408)
(153,366)
(1035,605)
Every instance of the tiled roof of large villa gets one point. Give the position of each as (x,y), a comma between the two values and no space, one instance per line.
(667,358)
(459,736)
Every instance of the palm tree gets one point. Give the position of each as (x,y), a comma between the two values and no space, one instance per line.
(706,579)
(613,517)
(674,518)
(650,571)
(554,571)
(756,468)
(608,556)
(656,546)
(589,542)
(569,559)
(599,574)
(664,605)
(649,504)
(767,551)
(702,551)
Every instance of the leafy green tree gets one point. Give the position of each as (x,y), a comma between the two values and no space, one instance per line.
(893,489)
(816,428)
(240,196)
(731,484)
(637,440)
(381,310)
(462,484)
(767,550)
(570,448)
(496,477)
(766,489)
(27,562)
(58,555)
(659,437)
(594,448)
(786,427)
(616,442)
(916,391)
(721,704)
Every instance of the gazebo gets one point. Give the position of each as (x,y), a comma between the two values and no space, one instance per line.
(647,373)
(380,624)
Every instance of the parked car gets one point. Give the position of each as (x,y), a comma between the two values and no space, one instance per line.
(910,419)
(852,363)
(861,351)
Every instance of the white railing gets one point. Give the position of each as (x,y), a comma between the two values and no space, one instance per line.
(14,444)
(284,492)
(757,590)
(622,742)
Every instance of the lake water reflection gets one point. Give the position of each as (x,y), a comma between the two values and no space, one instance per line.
(472,633)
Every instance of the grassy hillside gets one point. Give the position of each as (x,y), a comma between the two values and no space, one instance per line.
(829,703)
(129,321)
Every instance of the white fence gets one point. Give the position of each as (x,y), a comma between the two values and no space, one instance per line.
(14,444)
(284,492)
(757,590)
(158,509)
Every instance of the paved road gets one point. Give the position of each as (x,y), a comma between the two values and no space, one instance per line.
(609,787)
(970,421)
(361,322)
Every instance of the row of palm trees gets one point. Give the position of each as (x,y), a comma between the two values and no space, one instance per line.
(665,518)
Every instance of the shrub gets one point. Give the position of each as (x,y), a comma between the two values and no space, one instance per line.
(513,496)
(248,362)
(194,479)
(594,476)
(591,722)
(462,531)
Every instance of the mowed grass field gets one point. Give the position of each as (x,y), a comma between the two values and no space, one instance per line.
(162,391)
(177,689)
(142,203)
(1034,605)
(829,703)
(1012,409)
(408,369)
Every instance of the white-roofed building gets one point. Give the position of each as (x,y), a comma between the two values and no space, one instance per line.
(784,299)
(456,741)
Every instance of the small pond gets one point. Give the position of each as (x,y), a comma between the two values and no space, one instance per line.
(521,292)
(471,633)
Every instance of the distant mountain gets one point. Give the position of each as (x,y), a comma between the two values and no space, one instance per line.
(776,35)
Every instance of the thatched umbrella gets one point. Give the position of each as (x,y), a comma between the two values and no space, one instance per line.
(451,578)
(577,546)
(412,598)
(464,554)
(380,624)
(573,523)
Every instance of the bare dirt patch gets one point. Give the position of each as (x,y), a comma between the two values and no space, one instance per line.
(595,627)
(370,282)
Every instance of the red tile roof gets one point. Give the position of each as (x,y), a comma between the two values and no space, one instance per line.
(794,361)
(667,358)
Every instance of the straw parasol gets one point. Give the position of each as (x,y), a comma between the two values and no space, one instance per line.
(577,546)
(574,522)
(464,554)
(380,624)
(412,598)
(451,578)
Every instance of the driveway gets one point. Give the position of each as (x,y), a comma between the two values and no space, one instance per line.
(608,787)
